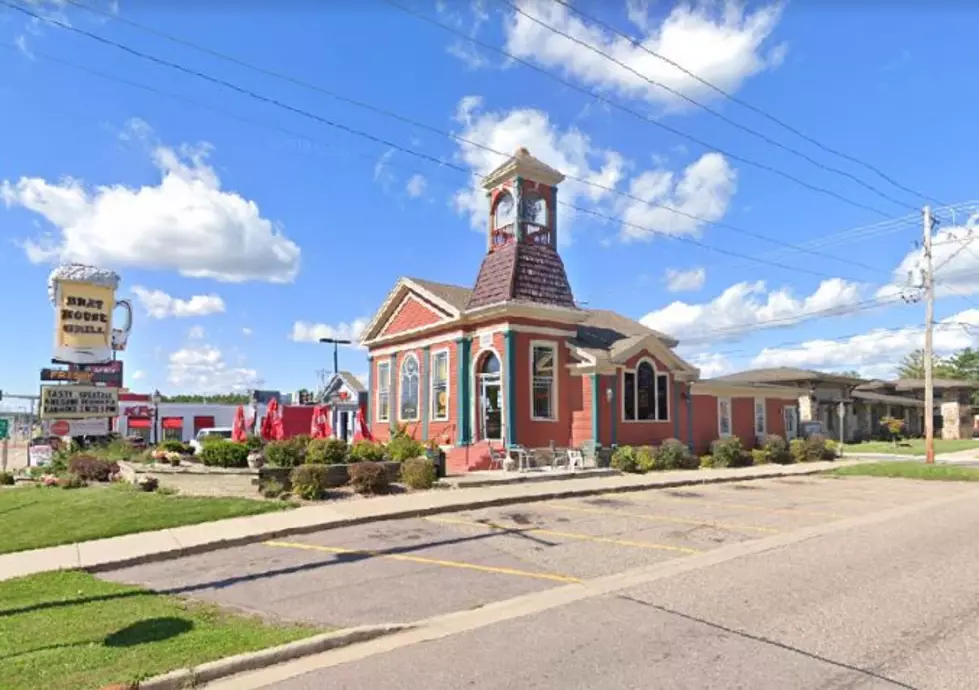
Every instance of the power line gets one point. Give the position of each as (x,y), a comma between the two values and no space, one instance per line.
(314,87)
(706,108)
(443,163)
(734,99)
(645,118)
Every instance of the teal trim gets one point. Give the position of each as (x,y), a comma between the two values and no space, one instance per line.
(518,209)
(595,407)
(510,346)
(463,395)
(675,409)
(615,405)
(424,390)
(393,406)
(689,418)
(370,392)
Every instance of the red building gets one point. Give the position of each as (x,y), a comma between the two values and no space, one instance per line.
(515,361)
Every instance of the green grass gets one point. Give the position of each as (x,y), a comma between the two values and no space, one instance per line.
(912,446)
(911,470)
(71,631)
(34,517)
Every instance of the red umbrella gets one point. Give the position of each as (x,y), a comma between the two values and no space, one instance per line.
(278,431)
(319,426)
(238,434)
(361,432)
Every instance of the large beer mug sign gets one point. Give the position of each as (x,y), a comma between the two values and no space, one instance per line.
(84,299)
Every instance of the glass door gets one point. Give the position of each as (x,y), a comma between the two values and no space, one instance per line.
(492,418)
(791,421)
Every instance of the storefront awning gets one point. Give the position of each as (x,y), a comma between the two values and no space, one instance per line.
(173,422)
(138,422)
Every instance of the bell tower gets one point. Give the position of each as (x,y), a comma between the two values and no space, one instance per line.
(522,263)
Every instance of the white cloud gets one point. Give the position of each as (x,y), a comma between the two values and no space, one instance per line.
(955,258)
(416,186)
(723,47)
(876,353)
(749,306)
(246,332)
(203,369)
(710,364)
(472,55)
(185,223)
(681,281)
(306,332)
(569,151)
(160,305)
(21,43)
(196,333)
(138,375)
(382,169)
(703,190)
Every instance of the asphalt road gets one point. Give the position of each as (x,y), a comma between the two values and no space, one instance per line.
(796,583)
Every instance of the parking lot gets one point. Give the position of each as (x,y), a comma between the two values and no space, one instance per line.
(407,570)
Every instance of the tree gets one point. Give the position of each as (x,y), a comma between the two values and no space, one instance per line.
(963,365)
(912,366)
(851,373)
(219,399)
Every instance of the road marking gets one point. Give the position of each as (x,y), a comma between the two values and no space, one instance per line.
(567,535)
(741,506)
(553,577)
(660,518)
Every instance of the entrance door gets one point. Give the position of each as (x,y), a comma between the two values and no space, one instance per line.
(791,415)
(344,430)
(492,417)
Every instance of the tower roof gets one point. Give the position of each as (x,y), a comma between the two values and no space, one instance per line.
(522,164)
(521,272)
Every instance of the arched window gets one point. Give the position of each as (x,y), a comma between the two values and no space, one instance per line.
(645,394)
(408,410)
(534,209)
(503,212)
(490,364)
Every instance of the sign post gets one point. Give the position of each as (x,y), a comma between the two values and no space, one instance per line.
(4,441)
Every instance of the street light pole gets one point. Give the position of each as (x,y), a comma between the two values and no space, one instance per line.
(336,343)
(155,436)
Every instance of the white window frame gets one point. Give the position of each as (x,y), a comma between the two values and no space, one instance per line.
(730,418)
(431,384)
(381,368)
(401,387)
(795,421)
(657,373)
(764,416)
(555,368)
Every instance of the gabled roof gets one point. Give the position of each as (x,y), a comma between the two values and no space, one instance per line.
(456,295)
(788,375)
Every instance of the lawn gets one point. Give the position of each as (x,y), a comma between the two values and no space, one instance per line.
(911,470)
(71,631)
(34,517)
(914,446)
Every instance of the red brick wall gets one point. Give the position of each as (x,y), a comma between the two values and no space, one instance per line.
(704,422)
(580,402)
(775,416)
(647,432)
(536,433)
(743,420)
(413,313)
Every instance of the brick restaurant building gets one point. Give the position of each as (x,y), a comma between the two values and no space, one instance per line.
(515,361)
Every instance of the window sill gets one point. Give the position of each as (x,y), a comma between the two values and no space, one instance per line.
(645,421)
(544,419)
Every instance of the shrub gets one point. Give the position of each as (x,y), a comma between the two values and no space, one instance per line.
(646,460)
(254,442)
(815,449)
(776,450)
(832,450)
(270,488)
(797,449)
(174,446)
(91,468)
(759,456)
(673,454)
(327,451)
(728,452)
(707,461)
(418,473)
(624,459)
(71,481)
(290,452)
(309,482)
(368,478)
(224,453)
(118,449)
(6,479)
(402,448)
(366,451)
(148,484)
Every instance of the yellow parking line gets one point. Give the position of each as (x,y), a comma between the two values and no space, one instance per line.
(660,518)
(741,506)
(427,561)
(567,535)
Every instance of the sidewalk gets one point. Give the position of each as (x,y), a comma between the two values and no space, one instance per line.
(144,547)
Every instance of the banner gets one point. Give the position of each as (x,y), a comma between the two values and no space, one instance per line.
(78,402)
(76,427)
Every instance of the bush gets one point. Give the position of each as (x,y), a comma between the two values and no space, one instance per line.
(402,448)
(797,449)
(72,481)
(254,442)
(646,460)
(224,453)
(270,488)
(707,461)
(673,454)
(624,459)
(368,478)
(118,449)
(174,446)
(290,452)
(759,456)
(728,452)
(327,451)
(148,484)
(832,450)
(91,468)
(6,479)
(367,451)
(309,482)
(816,448)
(418,473)
(776,450)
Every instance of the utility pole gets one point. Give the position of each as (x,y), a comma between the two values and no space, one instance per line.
(929,285)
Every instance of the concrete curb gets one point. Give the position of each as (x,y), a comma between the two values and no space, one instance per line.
(461,504)
(251,661)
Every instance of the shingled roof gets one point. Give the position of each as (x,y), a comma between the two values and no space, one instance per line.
(455,295)
(520,272)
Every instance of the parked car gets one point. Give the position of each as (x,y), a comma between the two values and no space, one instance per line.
(218,431)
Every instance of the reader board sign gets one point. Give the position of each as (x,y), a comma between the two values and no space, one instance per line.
(78,402)
(77,427)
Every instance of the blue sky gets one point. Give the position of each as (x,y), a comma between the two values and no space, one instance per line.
(242,230)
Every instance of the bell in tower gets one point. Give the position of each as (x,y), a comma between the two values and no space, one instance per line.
(522,263)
